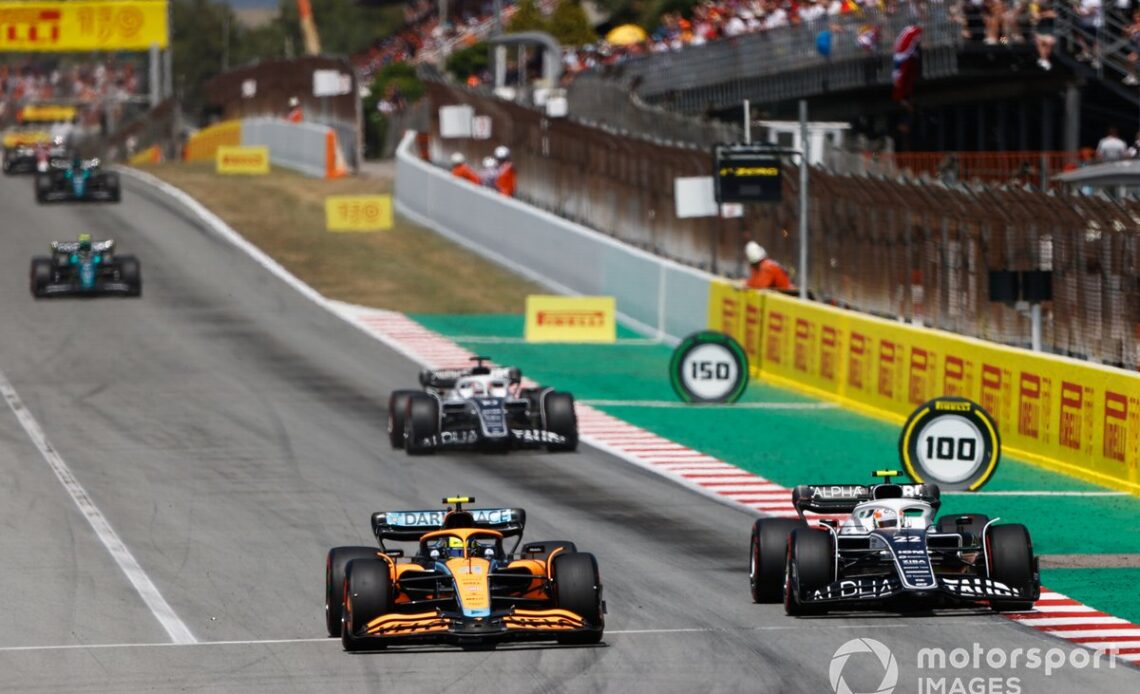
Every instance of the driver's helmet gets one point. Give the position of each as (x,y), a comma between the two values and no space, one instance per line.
(454,547)
(84,242)
(498,389)
(472,389)
(77,162)
(886,518)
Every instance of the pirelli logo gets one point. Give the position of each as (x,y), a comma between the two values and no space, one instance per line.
(570,318)
(1115,426)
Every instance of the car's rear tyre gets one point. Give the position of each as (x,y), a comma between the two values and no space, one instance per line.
(768,553)
(43,186)
(578,588)
(1009,560)
(421,422)
(552,546)
(40,275)
(130,272)
(111,181)
(397,410)
(810,566)
(972,530)
(367,595)
(335,564)
(560,418)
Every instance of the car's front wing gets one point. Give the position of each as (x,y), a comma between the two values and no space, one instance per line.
(515,624)
(470,438)
(954,589)
(73,288)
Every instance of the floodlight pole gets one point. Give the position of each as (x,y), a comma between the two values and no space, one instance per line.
(804,163)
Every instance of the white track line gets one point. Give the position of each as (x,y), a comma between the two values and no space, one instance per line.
(671,404)
(1033,493)
(162,611)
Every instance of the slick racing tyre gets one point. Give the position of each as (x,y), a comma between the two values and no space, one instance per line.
(111,181)
(971,529)
(768,552)
(550,547)
(1009,560)
(810,566)
(367,595)
(559,418)
(421,422)
(397,411)
(578,589)
(130,272)
(335,564)
(40,276)
(43,187)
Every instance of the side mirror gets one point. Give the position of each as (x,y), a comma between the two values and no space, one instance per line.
(394,553)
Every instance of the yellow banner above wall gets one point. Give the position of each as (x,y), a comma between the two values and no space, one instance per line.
(358,212)
(46,113)
(102,25)
(242,160)
(570,318)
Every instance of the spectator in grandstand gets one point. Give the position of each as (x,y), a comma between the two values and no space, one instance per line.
(1132,33)
(1111,147)
(506,180)
(296,114)
(1134,150)
(765,273)
(1044,17)
(1090,18)
(460,169)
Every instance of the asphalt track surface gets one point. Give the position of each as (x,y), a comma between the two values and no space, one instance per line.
(230,432)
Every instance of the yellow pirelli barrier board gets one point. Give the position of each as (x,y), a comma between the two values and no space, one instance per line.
(737,312)
(242,160)
(79,25)
(203,145)
(358,212)
(570,318)
(1064,414)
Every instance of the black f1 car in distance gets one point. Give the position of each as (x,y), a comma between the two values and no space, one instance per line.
(85,268)
(889,553)
(461,585)
(80,180)
(480,407)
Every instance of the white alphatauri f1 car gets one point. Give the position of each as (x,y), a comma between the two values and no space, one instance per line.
(480,407)
(890,553)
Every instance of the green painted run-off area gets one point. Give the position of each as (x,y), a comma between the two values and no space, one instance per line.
(796,446)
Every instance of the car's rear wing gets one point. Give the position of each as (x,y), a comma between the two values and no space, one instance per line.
(444,379)
(408,526)
(843,498)
(73,246)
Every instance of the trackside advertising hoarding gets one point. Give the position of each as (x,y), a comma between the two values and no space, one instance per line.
(101,25)
(1065,414)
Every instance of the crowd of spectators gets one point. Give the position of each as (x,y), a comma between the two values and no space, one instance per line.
(423,33)
(94,86)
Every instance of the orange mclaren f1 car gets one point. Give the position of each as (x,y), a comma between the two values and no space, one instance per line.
(461,586)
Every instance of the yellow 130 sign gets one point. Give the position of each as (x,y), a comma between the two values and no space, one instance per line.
(358,212)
